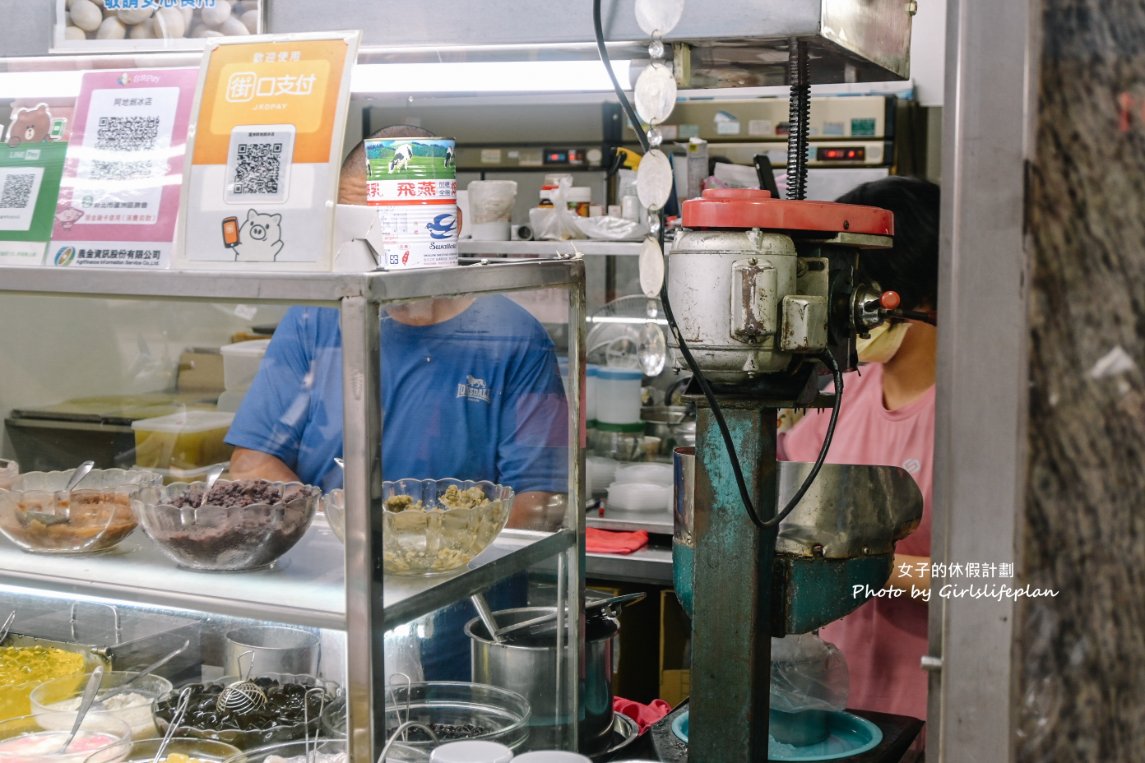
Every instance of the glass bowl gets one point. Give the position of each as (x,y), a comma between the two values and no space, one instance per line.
(40,517)
(299,751)
(284,718)
(454,710)
(23,668)
(57,700)
(101,739)
(334,506)
(432,526)
(243,525)
(192,750)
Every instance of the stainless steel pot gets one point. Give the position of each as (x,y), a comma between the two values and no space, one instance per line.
(528,666)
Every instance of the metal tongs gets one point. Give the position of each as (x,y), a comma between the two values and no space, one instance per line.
(176,720)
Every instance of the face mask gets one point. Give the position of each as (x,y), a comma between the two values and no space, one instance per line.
(883,343)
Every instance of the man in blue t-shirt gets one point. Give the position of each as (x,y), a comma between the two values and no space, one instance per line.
(470,389)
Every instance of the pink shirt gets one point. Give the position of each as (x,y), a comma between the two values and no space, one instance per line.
(884,639)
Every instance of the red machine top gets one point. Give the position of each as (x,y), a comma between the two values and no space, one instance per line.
(750,208)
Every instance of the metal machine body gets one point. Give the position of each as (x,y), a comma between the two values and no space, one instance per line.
(760,288)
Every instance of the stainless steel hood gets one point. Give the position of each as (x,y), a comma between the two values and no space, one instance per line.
(718,43)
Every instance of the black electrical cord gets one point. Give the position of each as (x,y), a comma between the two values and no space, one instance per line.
(598,27)
(705,387)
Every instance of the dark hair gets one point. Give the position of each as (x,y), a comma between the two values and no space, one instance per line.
(911,266)
(355,161)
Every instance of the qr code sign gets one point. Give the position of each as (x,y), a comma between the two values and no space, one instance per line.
(16,192)
(258,168)
(124,135)
(19,190)
(258,164)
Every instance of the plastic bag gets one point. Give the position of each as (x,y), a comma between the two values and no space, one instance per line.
(807,673)
(555,223)
(611,228)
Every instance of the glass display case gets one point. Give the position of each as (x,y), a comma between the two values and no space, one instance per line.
(120,339)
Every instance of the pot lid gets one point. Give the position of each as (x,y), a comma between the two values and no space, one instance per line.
(745,208)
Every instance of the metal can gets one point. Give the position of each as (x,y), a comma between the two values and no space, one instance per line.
(413,183)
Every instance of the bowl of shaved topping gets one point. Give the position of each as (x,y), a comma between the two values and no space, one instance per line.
(436,526)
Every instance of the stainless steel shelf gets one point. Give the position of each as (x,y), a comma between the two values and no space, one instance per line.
(470,248)
(306,587)
(288,287)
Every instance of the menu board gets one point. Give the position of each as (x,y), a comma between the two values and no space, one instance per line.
(31,163)
(263,177)
(119,197)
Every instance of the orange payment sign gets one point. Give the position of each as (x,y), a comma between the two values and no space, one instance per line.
(268,134)
(259,84)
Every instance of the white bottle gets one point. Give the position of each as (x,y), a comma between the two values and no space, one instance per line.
(550,756)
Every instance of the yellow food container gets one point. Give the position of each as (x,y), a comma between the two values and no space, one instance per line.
(23,668)
(185,440)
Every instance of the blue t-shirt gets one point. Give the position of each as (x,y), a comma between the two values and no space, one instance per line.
(478,396)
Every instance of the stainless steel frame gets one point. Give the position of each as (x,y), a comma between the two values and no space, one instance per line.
(979,460)
(366,615)
(726,44)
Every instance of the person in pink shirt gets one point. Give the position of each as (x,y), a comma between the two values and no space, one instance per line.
(887,418)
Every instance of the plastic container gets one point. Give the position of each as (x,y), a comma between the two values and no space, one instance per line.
(171,476)
(471,752)
(618,396)
(56,701)
(579,200)
(300,751)
(143,750)
(640,496)
(456,710)
(551,756)
(101,739)
(592,378)
(184,440)
(654,474)
(240,362)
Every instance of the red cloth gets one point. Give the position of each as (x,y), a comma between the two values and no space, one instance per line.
(614,542)
(644,715)
(884,639)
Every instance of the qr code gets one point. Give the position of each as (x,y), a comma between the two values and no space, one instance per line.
(17,190)
(123,135)
(258,168)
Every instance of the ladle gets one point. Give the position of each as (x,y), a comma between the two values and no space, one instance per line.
(486,615)
(78,475)
(212,477)
(126,685)
(56,519)
(88,700)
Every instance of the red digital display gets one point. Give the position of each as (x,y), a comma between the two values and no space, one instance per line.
(842,154)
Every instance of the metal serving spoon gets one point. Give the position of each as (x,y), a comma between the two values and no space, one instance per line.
(56,519)
(88,700)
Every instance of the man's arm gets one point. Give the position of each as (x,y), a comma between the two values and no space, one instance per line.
(249,464)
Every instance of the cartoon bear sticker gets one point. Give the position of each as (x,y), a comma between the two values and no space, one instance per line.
(30,125)
(260,238)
